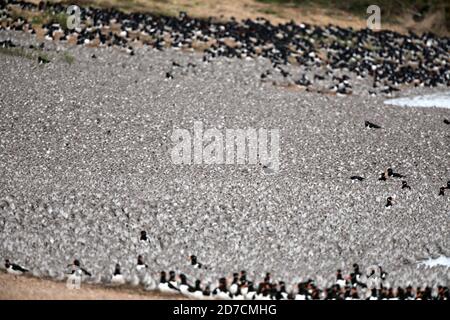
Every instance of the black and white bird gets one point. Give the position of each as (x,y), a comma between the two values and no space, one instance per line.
(405,185)
(442,191)
(173,279)
(340,281)
(221,292)
(371,125)
(207,292)
(194,262)
(250,291)
(391,173)
(238,295)
(264,292)
(140,266)
(14,269)
(185,288)
(373,295)
(389,202)
(143,237)
(357,178)
(198,291)
(165,286)
(234,287)
(76,274)
(117,277)
(243,277)
(76,268)
(268,278)
(282,293)
(383,274)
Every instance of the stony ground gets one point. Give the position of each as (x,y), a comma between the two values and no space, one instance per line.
(85,166)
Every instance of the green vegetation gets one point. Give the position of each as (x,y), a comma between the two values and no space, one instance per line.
(17,52)
(44,58)
(31,54)
(45,17)
(67,57)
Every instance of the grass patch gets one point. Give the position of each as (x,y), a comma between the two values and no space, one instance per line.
(30,54)
(43,58)
(37,20)
(40,18)
(68,58)
(17,52)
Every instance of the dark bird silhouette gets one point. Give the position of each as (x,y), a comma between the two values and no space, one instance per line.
(284,73)
(141,265)
(405,185)
(169,75)
(389,202)
(442,191)
(143,236)
(43,60)
(77,266)
(357,178)
(371,125)
(372,273)
(117,277)
(446,121)
(391,173)
(14,269)
(382,177)
(383,274)
(195,263)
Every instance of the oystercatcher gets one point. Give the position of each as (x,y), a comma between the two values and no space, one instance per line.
(117,277)
(14,269)
(141,264)
(389,202)
(195,263)
(166,286)
(371,125)
(78,269)
(405,185)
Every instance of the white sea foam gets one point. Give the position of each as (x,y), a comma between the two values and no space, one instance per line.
(440,261)
(438,100)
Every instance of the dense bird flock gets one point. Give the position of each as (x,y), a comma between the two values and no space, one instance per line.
(389,58)
(355,286)
(101,228)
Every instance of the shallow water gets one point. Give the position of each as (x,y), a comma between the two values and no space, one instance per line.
(438,100)
(440,261)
